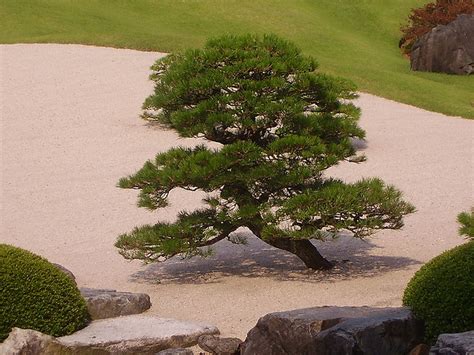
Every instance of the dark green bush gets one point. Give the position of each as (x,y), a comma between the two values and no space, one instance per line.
(442,292)
(34,294)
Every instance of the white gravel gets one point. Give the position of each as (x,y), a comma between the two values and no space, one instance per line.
(70,130)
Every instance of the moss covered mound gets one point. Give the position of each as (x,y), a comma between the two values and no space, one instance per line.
(34,294)
(442,292)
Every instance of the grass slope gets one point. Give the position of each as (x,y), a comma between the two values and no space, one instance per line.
(353,39)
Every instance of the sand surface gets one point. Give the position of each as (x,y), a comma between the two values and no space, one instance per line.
(70,130)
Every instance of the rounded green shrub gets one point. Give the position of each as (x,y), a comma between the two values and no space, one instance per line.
(34,294)
(442,292)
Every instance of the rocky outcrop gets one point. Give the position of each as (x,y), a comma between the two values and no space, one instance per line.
(420,349)
(103,303)
(446,48)
(136,334)
(335,330)
(66,271)
(106,303)
(219,346)
(178,351)
(454,344)
(29,342)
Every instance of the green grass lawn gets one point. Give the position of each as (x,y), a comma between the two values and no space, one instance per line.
(357,39)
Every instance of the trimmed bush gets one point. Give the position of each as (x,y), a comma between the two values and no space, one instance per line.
(424,19)
(442,292)
(34,294)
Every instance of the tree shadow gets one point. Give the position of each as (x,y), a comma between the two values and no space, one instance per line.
(359,144)
(256,259)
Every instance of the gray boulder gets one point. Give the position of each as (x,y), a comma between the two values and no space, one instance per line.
(29,342)
(335,331)
(66,271)
(454,344)
(219,346)
(446,48)
(103,303)
(136,334)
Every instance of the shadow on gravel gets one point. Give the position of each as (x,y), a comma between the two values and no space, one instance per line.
(352,257)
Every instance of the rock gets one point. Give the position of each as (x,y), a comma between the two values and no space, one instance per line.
(66,271)
(136,334)
(103,303)
(29,342)
(219,346)
(176,351)
(446,48)
(454,344)
(420,349)
(335,330)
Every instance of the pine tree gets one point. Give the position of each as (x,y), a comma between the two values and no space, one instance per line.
(281,124)
(466,220)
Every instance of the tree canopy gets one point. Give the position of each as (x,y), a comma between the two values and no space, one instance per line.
(280,124)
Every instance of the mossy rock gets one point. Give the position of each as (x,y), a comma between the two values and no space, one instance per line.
(442,292)
(34,294)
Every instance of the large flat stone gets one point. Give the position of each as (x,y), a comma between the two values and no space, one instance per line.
(335,330)
(104,303)
(29,342)
(176,351)
(219,346)
(454,344)
(136,334)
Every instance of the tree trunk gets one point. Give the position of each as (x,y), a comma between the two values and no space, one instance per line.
(303,249)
